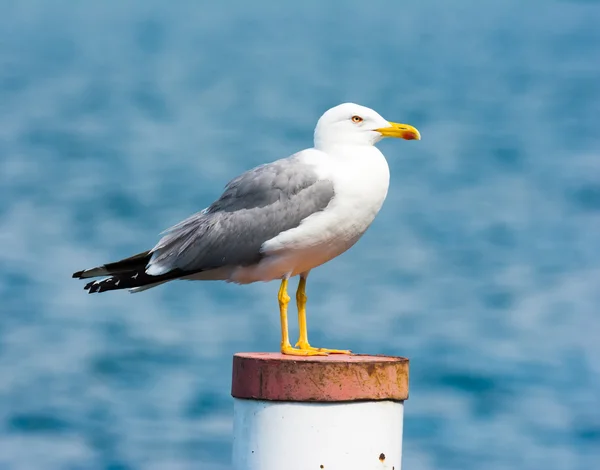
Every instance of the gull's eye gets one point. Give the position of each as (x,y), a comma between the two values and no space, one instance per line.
(357,119)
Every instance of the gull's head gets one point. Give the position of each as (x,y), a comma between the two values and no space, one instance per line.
(352,124)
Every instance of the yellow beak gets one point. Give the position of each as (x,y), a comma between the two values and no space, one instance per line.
(402,131)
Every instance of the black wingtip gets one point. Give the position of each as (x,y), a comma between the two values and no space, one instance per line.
(104,285)
(77,275)
(94,287)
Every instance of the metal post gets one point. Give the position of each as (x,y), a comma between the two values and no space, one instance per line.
(333,413)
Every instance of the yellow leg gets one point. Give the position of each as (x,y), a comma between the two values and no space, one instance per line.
(303,343)
(286,347)
(301,303)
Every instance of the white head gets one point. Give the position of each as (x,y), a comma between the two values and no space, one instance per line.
(352,124)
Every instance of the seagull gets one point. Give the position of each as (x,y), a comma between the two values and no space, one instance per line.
(276,221)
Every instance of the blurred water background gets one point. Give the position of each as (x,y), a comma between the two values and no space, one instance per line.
(118,119)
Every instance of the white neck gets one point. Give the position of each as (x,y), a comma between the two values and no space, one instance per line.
(326,141)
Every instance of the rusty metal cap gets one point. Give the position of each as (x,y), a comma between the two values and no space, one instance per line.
(334,378)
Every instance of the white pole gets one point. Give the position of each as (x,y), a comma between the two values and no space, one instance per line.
(332,436)
(330,413)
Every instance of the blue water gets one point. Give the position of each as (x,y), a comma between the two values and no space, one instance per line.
(118,119)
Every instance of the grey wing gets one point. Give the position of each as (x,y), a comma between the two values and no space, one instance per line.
(255,207)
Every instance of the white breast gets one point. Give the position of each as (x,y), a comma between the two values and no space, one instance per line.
(361,179)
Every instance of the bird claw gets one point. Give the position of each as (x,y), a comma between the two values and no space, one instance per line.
(304,346)
(290,351)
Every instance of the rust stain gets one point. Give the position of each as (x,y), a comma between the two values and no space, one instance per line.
(315,383)
(381,457)
(378,379)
